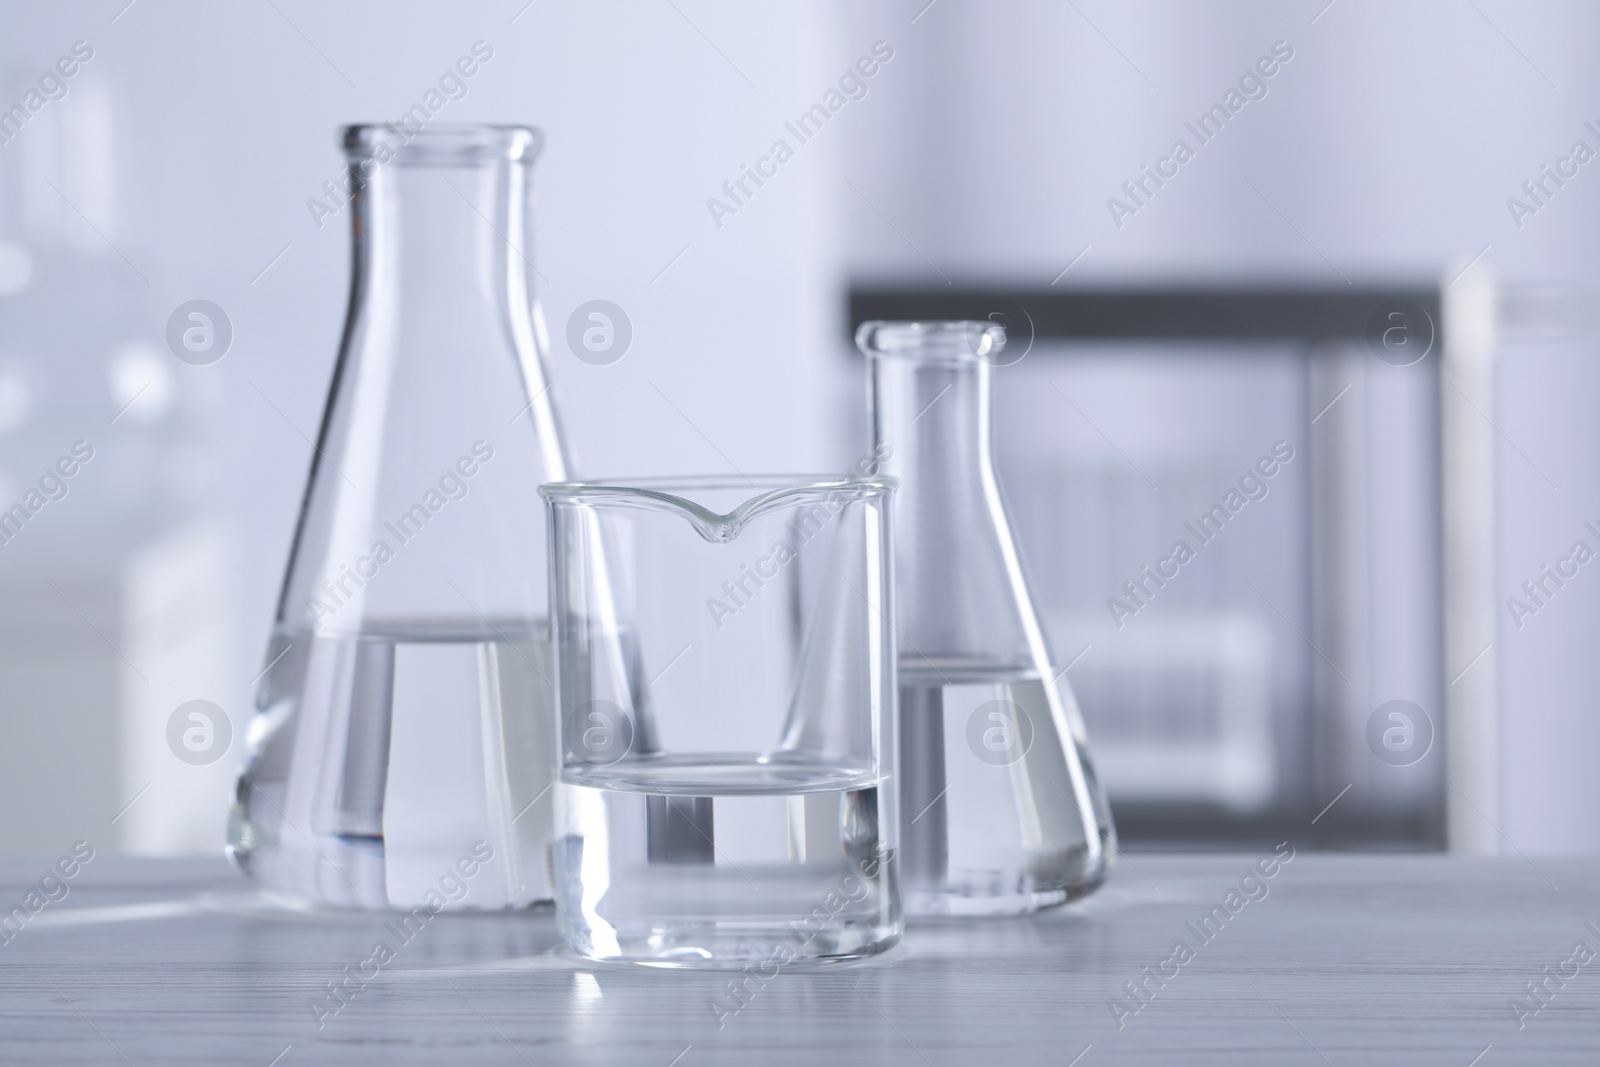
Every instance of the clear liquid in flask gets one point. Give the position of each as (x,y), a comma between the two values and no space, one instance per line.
(992,821)
(378,760)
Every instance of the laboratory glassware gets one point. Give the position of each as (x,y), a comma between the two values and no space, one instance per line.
(1003,813)
(404,729)
(725,701)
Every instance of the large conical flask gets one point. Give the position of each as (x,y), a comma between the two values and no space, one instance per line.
(401,751)
(1001,810)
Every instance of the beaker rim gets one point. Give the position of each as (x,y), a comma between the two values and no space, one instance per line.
(945,339)
(770,492)
(440,143)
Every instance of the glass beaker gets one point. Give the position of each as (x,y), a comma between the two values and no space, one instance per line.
(725,697)
(1003,813)
(404,732)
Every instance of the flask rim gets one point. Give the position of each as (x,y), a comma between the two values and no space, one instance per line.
(944,340)
(440,144)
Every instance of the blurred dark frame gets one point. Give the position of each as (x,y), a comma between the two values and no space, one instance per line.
(1326,324)
(1312,316)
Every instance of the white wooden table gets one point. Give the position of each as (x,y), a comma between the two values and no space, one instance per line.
(1348,959)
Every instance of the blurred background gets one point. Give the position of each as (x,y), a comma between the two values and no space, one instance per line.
(1428,149)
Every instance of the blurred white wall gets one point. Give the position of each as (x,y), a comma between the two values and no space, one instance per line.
(217,124)
(179,164)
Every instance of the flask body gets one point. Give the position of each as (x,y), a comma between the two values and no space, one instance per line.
(1003,812)
(403,734)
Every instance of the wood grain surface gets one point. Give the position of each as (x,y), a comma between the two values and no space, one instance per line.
(1346,959)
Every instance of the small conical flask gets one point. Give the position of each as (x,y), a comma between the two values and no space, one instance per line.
(1001,811)
(402,748)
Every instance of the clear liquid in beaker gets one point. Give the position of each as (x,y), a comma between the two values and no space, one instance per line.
(739,857)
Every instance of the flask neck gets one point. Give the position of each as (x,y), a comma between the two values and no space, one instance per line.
(443,264)
(443,241)
(931,425)
(963,608)
(439,414)
(930,407)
